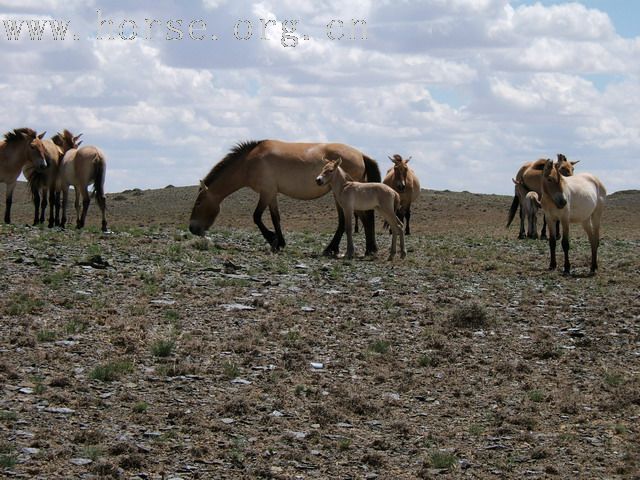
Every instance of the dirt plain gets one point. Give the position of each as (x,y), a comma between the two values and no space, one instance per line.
(148,353)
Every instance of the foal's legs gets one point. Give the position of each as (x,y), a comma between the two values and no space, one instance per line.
(54,208)
(334,246)
(407,218)
(543,232)
(65,199)
(397,230)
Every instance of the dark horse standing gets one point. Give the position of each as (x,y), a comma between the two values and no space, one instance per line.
(270,167)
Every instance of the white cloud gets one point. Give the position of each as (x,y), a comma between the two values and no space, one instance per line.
(461,81)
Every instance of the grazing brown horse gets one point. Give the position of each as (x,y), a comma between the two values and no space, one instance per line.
(353,196)
(529,179)
(43,184)
(404,181)
(270,167)
(20,147)
(82,167)
(576,199)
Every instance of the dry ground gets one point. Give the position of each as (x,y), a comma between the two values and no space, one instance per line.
(189,358)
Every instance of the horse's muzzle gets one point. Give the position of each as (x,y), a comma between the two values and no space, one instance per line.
(560,200)
(319,181)
(401,187)
(196,229)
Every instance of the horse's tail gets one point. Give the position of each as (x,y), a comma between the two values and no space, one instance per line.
(372,170)
(37,181)
(513,209)
(100,167)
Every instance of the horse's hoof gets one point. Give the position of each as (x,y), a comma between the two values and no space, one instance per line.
(403,255)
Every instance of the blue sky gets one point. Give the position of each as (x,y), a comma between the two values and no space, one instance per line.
(483,85)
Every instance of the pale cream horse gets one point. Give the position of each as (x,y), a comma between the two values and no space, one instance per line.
(354,196)
(576,199)
(21,147)
(82,167)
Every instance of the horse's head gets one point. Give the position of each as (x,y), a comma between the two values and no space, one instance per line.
(328,170)
(66,140)
(204,212)
(552,184)
(37,151)
(400,171)
(565,166)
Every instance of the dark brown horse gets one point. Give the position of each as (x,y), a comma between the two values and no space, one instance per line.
(270,167)
(21,147)
(404,181)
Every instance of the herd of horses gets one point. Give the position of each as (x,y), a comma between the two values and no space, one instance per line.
(304,171)
(51,166)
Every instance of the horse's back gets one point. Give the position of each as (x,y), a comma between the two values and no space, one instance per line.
(291,168)
(586,194)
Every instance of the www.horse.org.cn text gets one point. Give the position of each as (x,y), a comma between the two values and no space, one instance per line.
(287,32)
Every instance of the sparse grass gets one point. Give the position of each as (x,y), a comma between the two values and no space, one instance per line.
(75,326)
(613,379)
(442,460)
(344,444)
(230,369)
(163,348)
(140,407)
(111,371)
(8,416)
(24,304)
(536,396)
(46,335)
(472,315)
(476,429)
(425,361)
(8,461)
(92,452)
(171,315)
(380,346)
(57,278)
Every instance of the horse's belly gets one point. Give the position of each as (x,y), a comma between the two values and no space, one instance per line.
(303,190)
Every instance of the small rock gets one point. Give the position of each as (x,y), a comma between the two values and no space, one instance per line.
(308,309)
(240,381)
(26,390)
(277,414)
(228,421)
(379,292)
(344,425)
(317,366)
(302,266)
(30,451)
(236,307)
(63,410)
(161,302)
(80,461)
(375,280)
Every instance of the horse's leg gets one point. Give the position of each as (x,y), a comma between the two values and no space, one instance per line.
(52,207)
(558,229)
(534,225)
(43,205)
(65,199)
(102,203)
(8,201)
(268,235)
(543,232)
(593,241)
(348,218)
(369,223)
(565,246)
(56,221)
(407,218)
(356,224)
(552,246)
(77,204)
(521,234)
(86,200)
(279,242)
(334,246)
(36,206)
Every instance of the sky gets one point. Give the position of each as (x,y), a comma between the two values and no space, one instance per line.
(470,89)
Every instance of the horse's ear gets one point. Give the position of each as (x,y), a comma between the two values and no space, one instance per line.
(78,143)
(77,137)
(392,159)
(407,160)
(516,182)
(574,163)
(547,168)
(203,186)
(561,158)
(338,161)
(41,136)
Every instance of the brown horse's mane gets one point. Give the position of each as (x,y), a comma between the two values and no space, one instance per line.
(17,134)
(63,139)
(239,151)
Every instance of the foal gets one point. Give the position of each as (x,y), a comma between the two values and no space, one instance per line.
(576,199)
(353,196)
(529,208)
